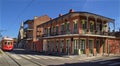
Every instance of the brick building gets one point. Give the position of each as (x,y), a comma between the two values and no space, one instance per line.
(29,39)
(80,33)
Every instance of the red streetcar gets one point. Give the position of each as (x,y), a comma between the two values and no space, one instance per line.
(7,44)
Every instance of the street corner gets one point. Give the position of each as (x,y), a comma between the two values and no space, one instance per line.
(1,52)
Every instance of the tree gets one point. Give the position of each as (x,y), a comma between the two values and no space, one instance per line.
(15,40)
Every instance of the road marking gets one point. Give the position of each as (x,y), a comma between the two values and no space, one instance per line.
(97,61)
(32,56)
(104,62)
(116,63)
(15,56)
(25,56)
(41,57)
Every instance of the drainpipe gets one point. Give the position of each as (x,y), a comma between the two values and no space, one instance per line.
(108,48)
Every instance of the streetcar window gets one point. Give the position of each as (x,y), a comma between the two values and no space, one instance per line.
(8,43)
(5,43)
(11,43)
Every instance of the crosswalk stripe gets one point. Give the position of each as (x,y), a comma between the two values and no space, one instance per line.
(48,57)
(15,56)
(25,56)
(116,63)
(41,57)
(32,56)
(104,62)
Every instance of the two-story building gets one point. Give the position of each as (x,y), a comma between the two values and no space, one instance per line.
(82,33)
(28,33)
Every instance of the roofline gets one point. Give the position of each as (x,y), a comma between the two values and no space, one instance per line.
(96,15)
(28,21)
(78,12)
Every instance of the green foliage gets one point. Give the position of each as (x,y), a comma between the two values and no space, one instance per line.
(15,40)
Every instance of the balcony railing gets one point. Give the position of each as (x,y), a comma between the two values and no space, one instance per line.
(75,31)
(26,29)
(68,31)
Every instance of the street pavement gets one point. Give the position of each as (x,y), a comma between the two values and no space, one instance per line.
(21,57)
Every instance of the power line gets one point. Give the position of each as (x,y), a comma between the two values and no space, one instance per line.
(25,8)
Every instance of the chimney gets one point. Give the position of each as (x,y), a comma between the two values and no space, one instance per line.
(71,10)
(35,17)
(60,15)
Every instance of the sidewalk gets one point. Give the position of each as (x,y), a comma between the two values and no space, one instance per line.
(5,60)
(91,58)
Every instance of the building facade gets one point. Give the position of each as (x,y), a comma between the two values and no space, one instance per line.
(29,40)
(20,35)
(78,33)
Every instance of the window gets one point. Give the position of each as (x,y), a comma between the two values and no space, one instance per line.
(75,25)
(84,24)
(91,26)
(44,30)
(52,44)
(91,46)
(8,43)
(62,45)
(75,46)
(98,46)
(52,30)
(5,43)
(48,46)
(48,31)
(62,28)
(67,28)
(82,46)
(57,45)
(11,43)
(56,30)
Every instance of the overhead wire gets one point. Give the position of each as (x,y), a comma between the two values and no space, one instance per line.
(25,8)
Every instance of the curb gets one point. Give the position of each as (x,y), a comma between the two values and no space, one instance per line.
(1,51)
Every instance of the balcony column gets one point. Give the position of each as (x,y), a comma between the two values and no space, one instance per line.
(114,25)
(102,25)
(87,24)
(48,31)
(59,28)
(101,32)
(71,24)
(95,25)
(79,26)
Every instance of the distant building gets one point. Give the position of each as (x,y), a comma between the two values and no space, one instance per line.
(28,33)
(20,35)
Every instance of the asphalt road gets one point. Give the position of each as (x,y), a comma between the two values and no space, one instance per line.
(28,58)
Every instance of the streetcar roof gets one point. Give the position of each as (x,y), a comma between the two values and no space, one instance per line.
(6,38)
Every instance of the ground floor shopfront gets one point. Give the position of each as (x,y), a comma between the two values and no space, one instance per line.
(81,45)
(33,45)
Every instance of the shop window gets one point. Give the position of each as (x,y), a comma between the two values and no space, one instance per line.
(62,45)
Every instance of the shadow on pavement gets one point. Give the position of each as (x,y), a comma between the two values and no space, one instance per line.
(89,63)
(24,51)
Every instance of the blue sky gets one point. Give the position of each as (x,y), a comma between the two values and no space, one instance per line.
(13,12)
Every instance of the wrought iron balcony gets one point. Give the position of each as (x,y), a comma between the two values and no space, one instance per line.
(28,29)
